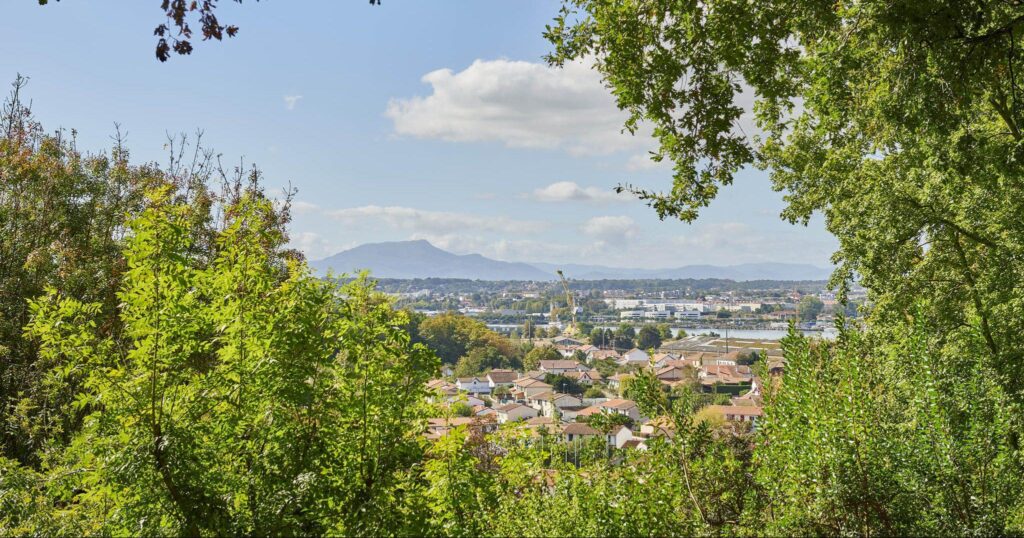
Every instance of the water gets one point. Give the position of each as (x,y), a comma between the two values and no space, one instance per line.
(751,334)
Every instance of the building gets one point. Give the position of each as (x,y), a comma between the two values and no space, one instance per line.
(635,357)
(513,412)
(473,385)
(561,367)
(621,407)
(501,378)
(527,386)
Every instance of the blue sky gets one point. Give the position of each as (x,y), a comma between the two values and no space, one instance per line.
(411,120)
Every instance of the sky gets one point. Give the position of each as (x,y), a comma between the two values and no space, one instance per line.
(410,120)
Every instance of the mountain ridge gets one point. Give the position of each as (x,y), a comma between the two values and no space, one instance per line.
(421,259)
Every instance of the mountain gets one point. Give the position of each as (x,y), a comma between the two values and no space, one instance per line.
(420,259)
(741,272)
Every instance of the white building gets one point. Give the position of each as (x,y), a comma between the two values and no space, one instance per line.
(636,357)
(473,385)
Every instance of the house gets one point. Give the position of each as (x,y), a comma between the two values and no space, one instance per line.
(446,370)
(731,379)
(513,412)
(561,366)
(566,351)
(660,360)
(726,359)
(547,402)
(473,385)
(527,386)
(439,427)
(565,341)
(571,413)
(501,378)
(658,426)
(674,373)
(559,401)
(441,388)
(636,443)
(483,410)
(615,381)
(619,435)
(584,378)
(738,413)
(635,357)
(601,354)
(586,412)
(621,407)
(578,431)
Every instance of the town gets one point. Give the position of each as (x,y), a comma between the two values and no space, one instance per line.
(562,396)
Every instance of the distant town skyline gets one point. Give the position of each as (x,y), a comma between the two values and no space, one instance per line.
(402,121)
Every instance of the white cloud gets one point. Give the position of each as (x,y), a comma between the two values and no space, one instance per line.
(437,222)
(513,250)
(643,161)
(611,229)
(314,245)
(568,191)
(520,104)
(291,100)
(300,207)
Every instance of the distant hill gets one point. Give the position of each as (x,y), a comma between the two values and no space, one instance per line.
(420,259)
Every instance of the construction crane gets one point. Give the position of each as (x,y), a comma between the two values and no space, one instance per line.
(571,330)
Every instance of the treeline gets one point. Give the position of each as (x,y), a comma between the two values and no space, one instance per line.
(170,368)
(639,285)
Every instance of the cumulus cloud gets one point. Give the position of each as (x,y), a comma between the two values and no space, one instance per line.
(520,104)
(438,222)
(314,245)
(514,250)
(568,191)
(300,207)
(291,100)
(611,229)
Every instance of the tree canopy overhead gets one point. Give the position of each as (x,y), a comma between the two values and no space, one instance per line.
(898,121)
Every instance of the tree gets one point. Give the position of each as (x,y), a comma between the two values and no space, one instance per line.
(665,331)
(809,307)
(900,123)
(540,353)
(648,338)
(529,331)
(63,225)
(453,336)
(561,383)
(601,337)
(228,403)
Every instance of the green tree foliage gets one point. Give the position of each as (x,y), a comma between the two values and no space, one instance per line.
(648,338)
(899,122)
(453,336)
(883,435)
(239,399)
(561,383)
(601,337)
(540,353)
(809,307)
(63,222)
